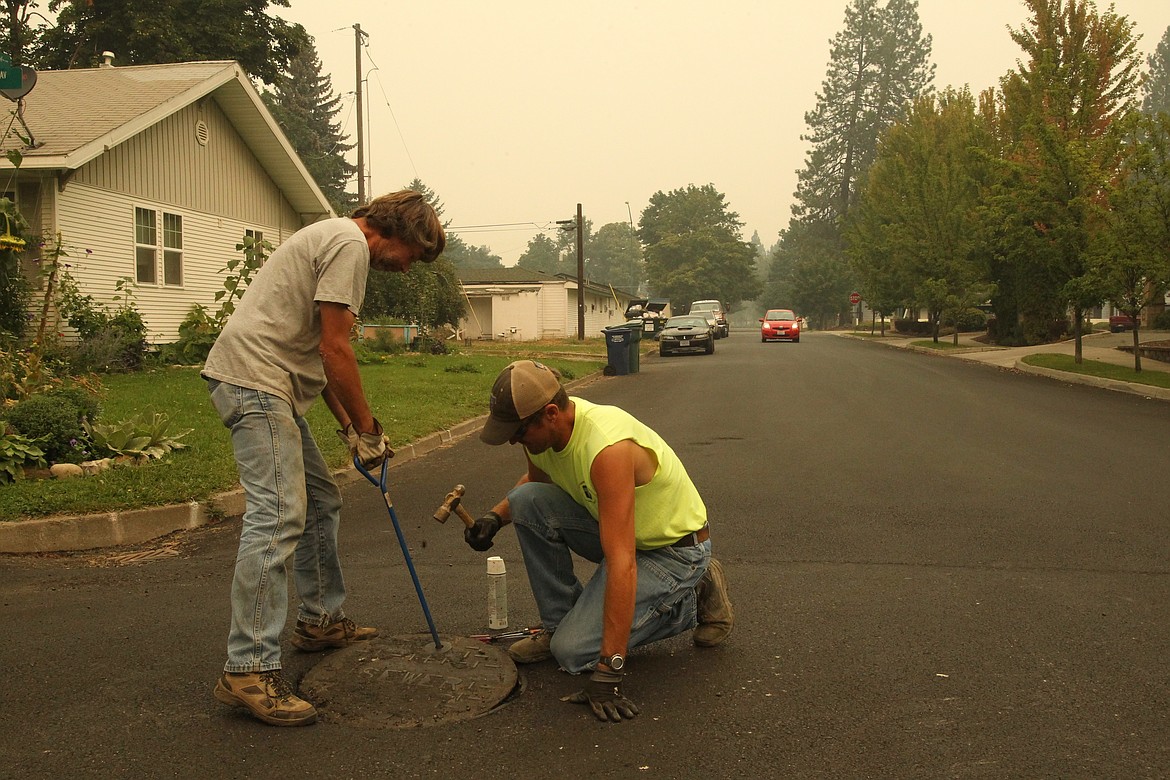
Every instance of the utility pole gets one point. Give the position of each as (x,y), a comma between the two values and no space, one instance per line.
(578,224)
(580,275)
(358,38)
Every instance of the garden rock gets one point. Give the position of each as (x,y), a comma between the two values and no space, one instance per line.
(66,470)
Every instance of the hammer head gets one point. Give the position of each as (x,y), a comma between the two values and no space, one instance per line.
(450,504)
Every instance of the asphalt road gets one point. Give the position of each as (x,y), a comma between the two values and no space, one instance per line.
(939,569)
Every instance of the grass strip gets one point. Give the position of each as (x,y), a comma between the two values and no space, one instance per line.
(1060,362)
(412,395)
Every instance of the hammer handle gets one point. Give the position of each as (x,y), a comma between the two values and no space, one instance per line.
(467,519)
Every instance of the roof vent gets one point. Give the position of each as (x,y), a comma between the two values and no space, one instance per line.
(107,59)
(202,134)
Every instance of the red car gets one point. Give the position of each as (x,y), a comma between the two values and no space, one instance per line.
(780,325)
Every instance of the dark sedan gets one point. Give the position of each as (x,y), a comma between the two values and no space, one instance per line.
(686,334)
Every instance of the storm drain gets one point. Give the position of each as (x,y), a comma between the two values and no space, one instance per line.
(404,682)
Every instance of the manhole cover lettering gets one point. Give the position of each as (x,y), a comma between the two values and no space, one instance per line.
(403,682)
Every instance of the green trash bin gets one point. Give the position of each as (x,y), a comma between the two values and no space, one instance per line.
(635,329)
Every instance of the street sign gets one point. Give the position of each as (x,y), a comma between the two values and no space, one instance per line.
(11,76)
(855,298)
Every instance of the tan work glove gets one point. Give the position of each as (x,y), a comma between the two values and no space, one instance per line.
(369,448)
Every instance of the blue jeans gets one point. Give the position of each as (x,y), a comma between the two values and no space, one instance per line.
(551,526)
(292,508)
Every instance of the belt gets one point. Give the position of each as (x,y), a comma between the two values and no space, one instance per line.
(694,537)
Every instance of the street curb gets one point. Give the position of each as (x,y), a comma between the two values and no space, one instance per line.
(1146,391)
(135,526)
(1149,392)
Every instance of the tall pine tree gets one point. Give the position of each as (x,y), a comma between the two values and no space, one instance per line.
(879,63)
(303,102)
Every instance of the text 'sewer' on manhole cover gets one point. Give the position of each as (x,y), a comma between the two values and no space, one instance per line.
(404,682)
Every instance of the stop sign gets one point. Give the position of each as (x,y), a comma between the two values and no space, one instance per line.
(855,297)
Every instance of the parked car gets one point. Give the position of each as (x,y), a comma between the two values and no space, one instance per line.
(686,333)
(715,311)
(780,325)
(1120,322)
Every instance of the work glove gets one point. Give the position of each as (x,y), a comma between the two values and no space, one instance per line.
(369,448)
(603,694)
(479,535)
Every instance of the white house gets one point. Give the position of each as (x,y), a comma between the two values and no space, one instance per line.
(155,173)
(522,305)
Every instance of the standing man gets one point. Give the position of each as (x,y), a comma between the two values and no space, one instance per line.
(287,343)
(602,485)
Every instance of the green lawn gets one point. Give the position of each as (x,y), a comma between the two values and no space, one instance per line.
(412,395)
(1060,362)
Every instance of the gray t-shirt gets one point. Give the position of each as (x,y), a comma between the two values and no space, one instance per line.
(271,341)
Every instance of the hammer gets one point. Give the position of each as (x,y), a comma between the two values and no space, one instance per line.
(452,504)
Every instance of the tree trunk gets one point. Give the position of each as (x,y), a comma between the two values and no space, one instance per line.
(1137,352)
(1078,318)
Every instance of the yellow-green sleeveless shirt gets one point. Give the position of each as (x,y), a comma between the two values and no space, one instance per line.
(665,509)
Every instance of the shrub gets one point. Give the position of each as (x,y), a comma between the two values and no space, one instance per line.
(54,423)
(197,333)
(137,437)
(16,452)
(971,320)
(1162,321)
(913,327)
(383,341)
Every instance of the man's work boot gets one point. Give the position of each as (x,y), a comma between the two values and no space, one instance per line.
(267,695)
(532,649)
(339,633)
(714,607)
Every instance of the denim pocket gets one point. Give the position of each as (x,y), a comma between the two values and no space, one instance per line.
(226,400)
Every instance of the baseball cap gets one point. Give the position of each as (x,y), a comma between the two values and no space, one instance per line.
(521,390)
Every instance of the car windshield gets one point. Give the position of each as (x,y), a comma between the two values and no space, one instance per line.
(780,314)
(698,307)
(686,322)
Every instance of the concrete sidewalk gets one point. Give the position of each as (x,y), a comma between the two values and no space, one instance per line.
(1102,347)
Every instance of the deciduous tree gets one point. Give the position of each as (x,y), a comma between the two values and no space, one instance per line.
(693,248)
(172,31)
(915,235)
(1058,112)
(614,257)
(1156,88)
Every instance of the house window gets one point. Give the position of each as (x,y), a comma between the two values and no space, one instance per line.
(172,249)
(258,235)
(147,246)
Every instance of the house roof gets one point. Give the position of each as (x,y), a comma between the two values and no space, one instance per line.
(74,116)
(517,275)
(512,275)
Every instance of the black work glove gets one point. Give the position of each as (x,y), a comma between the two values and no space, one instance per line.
(479,535)
(603,694)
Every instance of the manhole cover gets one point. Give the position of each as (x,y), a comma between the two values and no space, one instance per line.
(403,682)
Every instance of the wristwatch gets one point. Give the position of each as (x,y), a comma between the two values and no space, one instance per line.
(615,661)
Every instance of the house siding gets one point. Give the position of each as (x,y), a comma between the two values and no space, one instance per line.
(219,190)
(166,164)
(97,228)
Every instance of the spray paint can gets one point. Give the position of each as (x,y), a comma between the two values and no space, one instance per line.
(497,593)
